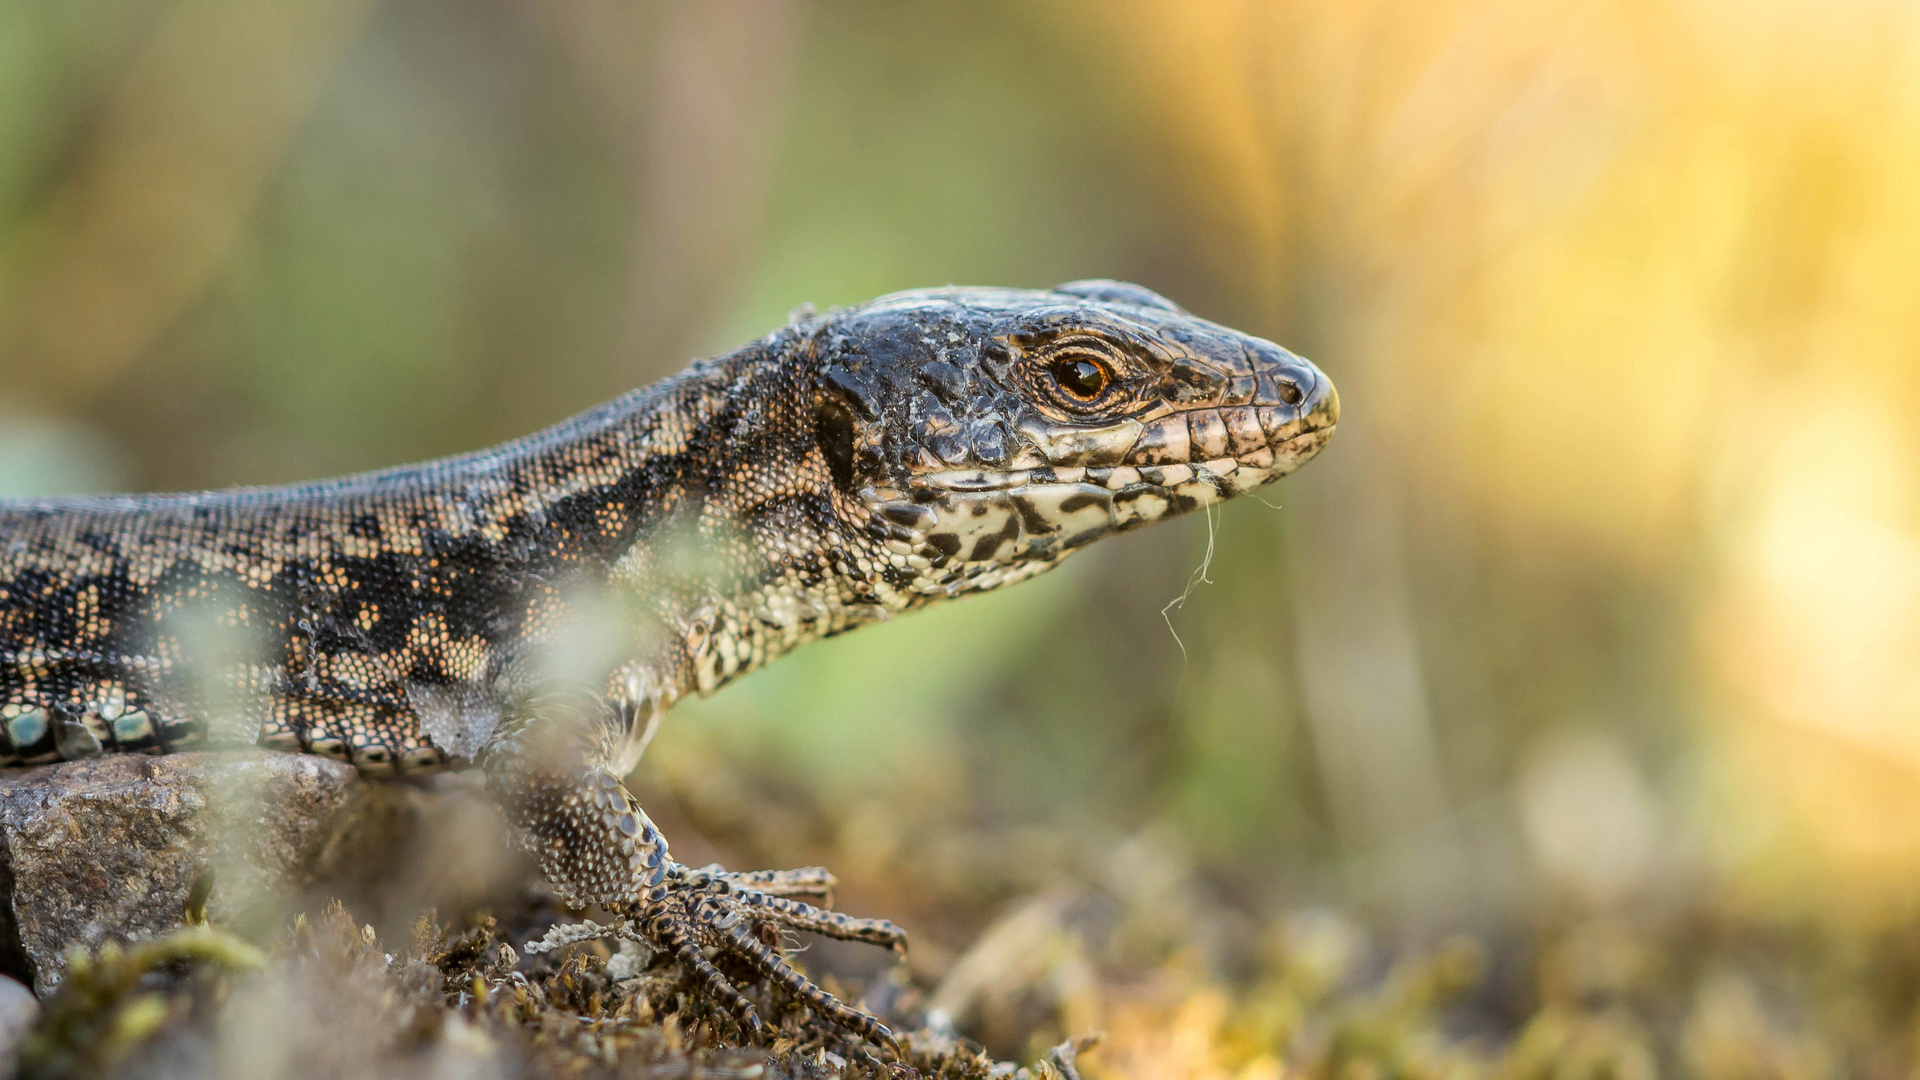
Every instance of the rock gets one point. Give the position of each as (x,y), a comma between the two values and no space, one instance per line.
(111,847)
(19,1011)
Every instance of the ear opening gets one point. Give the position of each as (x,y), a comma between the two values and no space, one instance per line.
(833,430)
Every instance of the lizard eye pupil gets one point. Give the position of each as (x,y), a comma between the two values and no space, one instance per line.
(1083,379)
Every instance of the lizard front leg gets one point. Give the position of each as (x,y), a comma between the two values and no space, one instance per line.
(548,768)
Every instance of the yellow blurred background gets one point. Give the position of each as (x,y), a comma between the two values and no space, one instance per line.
(1606,598)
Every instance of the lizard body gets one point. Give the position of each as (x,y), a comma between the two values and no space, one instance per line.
(534,608)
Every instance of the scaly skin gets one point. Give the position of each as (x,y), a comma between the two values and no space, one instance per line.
(535,608)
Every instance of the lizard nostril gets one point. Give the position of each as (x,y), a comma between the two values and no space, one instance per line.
(1290,391)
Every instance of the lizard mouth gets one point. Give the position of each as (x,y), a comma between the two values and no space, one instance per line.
(1268,463)
(962,530)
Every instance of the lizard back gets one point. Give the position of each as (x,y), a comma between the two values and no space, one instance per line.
(318,617)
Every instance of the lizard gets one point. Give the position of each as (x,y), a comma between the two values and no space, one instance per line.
(534,609)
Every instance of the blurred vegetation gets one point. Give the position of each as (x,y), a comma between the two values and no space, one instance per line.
(1598,624)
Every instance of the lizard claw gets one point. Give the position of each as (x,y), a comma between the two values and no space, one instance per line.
(692,911)
(736,913)
(560,935)
(709,908)
(812,881)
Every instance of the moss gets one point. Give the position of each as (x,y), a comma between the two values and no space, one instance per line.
(1707,995)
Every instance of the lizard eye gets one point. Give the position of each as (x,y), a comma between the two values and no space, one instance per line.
(1082,379)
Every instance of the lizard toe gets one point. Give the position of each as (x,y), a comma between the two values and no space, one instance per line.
(709,908)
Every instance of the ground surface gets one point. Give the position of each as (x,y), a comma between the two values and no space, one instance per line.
(1021,944)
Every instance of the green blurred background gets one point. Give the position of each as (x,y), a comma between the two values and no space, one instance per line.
(1605,599)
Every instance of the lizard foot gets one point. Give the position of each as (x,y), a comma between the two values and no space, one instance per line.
(742,915)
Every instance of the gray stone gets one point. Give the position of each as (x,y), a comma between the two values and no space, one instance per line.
(19,1011)
(111,847)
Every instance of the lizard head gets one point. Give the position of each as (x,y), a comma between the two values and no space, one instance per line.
(978,436)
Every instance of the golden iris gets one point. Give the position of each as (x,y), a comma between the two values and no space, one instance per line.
(1083,379)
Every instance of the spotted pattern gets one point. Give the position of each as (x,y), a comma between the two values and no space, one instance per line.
(537,607)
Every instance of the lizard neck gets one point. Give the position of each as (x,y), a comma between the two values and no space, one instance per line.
(744,547)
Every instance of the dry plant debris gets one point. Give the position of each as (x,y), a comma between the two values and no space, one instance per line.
(1693,993)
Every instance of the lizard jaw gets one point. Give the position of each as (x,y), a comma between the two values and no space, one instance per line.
(959,531)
